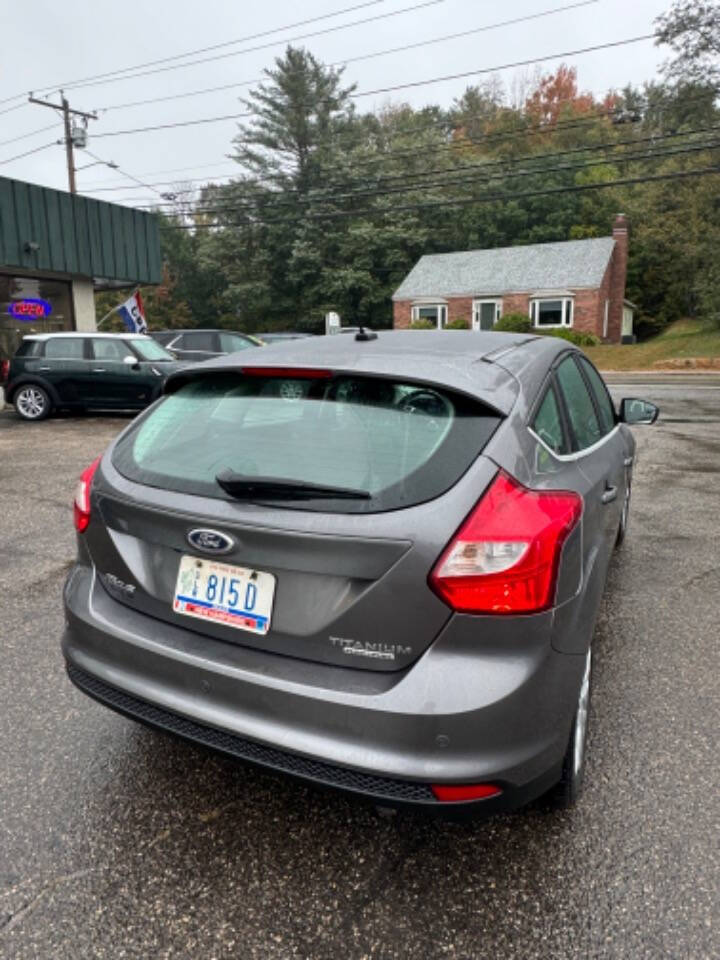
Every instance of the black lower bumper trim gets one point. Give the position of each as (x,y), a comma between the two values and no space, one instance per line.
(317,771)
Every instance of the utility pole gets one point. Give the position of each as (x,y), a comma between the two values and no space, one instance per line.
(68,140)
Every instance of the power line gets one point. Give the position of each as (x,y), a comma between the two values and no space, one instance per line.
(465,181)
(148,63)
(392,211)
(18,106)
(126,174)
(28,153)
(365,56)
(104,185)
(263,46)
(227,43)
(559,127)
(505,172)
(25,136)
(182,123)
(403,86)
(502,162)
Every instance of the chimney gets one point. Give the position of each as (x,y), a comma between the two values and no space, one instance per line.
(618,276)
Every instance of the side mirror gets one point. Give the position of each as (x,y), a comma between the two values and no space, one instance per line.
(131,362)
(638,411)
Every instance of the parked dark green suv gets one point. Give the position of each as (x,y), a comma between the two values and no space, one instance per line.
(86,371)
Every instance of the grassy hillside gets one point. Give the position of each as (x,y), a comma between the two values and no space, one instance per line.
(686,338)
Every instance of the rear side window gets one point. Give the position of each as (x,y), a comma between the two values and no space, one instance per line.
(197,341)
(107,349)
(29,348)
(231,342)
(401,443)
(602,397)
(65,348)
(580,407)
(548,425)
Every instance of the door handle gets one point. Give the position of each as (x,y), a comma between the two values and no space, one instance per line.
(43,368)
(98,369)
(609,495)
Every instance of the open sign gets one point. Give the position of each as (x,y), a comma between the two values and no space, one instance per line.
(31,308)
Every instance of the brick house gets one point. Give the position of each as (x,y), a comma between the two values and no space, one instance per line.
(576,284)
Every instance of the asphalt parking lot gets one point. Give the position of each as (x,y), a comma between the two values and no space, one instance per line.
(118,842)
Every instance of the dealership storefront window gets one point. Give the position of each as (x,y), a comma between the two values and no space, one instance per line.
(32,305)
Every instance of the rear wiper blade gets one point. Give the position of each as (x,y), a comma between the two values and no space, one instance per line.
(277,488)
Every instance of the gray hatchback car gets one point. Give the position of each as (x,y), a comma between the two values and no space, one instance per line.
(372,562)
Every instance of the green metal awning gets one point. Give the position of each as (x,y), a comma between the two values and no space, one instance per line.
(44,230)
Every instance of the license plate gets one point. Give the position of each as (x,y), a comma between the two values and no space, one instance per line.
(222,593)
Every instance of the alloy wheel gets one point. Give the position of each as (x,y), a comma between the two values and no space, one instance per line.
(31,403)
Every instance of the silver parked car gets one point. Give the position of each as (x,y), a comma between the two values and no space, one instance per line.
(371,562)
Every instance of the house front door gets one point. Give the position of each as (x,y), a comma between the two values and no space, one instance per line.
(485,313)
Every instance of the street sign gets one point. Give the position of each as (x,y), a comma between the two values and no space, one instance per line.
(332,322)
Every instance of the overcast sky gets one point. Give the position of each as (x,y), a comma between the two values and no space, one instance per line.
(46,44)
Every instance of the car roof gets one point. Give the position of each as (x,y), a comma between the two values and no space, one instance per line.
(180,330)
(464,360)
(85,333)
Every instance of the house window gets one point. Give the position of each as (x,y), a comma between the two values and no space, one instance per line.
(552,312)
(436,313)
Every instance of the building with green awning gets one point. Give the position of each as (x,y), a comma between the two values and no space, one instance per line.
(57,249)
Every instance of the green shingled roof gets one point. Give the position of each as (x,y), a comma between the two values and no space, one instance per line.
(76,235)
(541,266)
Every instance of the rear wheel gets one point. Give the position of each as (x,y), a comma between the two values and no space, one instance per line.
(32,402)
(566,791)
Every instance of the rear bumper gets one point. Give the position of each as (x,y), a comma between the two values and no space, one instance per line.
(460,714)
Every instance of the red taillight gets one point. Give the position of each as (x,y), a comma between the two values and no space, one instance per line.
(460,792)
(504,558)
(294,373)
(81,505)
(4,370)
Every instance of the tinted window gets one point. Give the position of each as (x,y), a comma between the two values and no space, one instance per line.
(107,349)
(65,348)
(231,342)
(197,341)
(548,425)
(29,348)
(581,410)
(403,443)
(605,405)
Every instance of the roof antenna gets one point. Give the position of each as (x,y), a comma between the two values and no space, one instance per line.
(364,334)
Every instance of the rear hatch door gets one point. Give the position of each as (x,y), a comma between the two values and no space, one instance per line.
(343,492)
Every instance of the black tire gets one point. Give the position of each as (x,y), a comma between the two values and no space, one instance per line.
(32,402)
(566,791)
(624,517)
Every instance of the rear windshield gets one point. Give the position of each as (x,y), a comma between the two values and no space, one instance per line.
(398,443)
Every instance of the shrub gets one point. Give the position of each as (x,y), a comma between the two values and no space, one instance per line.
(457,324)
(573,336)
(422,325)
(514,323)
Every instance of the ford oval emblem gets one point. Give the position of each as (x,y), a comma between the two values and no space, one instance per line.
(210,541)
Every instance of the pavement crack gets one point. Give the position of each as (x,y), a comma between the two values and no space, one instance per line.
(16,918)
(701,576)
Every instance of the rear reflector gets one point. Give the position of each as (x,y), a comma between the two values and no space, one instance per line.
(81,505)
(460,792)
(504,558)
(294,373)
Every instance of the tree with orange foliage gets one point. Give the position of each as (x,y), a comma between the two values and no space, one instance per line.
(558,93)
